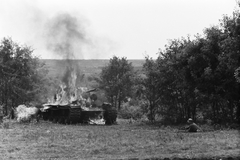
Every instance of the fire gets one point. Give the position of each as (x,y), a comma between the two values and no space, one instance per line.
(73,103)
(69,92)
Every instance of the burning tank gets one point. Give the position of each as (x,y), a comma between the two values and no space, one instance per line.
(76,105)
(73,103)
(78,108)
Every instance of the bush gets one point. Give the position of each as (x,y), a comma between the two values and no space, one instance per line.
(6,124)
(129,111)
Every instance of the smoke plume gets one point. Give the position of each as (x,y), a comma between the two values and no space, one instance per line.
(54,32)
(66,36)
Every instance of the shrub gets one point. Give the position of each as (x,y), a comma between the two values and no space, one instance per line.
(6,124)
(129,111)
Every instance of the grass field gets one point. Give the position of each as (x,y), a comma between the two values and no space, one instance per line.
(46,140)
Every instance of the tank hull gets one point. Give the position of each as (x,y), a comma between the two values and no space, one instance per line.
(72,114)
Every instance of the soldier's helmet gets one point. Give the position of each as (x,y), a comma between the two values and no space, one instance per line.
(190,120)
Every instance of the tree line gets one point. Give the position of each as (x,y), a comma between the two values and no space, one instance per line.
(192,77)
(196,78)
(22,76)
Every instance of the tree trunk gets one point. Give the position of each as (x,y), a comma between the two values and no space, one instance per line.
(231,106)
(194,112)
(112,100)
(188,111)
(115,102)
(119,104)
(214,112)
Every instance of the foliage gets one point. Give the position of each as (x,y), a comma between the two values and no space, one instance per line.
(148,89)
(196,75)
(6,124)
(117,80)
(237,74)
(22,75)
(130,111)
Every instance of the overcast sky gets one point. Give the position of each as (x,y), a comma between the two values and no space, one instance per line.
(94,29)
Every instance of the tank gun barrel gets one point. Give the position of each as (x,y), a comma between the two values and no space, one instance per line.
(91,90)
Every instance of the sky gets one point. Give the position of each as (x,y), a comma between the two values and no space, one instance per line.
(101,29)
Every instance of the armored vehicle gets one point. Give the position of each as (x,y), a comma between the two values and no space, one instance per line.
(79,110)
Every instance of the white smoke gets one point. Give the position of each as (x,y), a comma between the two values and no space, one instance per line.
(24,113)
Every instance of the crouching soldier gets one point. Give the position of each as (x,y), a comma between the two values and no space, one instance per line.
(192,126)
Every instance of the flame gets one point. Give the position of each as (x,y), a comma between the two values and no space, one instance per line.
(68,91)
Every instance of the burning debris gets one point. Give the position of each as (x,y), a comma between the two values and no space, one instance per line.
(97,121)
(65,96)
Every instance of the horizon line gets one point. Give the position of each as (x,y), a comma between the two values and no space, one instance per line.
(81,59)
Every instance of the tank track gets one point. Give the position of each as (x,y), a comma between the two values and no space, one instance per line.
(74,115)
(65,116)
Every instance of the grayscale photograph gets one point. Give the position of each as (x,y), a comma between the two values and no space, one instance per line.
(119,79)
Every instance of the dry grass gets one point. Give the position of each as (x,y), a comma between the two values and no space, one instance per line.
(46,140)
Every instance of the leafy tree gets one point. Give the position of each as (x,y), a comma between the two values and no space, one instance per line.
(117,80)
(148,88)
(237,74)
(22,76)
(197,75)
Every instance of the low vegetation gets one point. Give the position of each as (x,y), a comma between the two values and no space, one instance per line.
(137,140)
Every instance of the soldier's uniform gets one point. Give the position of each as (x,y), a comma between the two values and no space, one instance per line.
(192,126)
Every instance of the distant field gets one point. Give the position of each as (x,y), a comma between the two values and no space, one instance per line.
(57,67)
(47,141)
